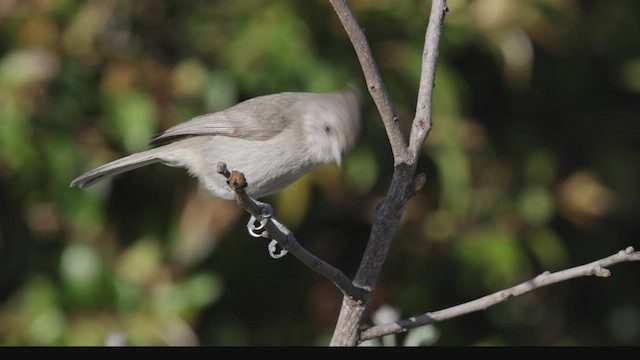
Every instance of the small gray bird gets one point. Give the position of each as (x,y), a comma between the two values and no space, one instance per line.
(272,139)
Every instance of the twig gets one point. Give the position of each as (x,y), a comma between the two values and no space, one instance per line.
(285,237)
(596,268)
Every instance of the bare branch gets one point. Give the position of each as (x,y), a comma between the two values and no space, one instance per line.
(285,237)
(595,268)
(403,183)
(374,80)
(421,125)
(403,186)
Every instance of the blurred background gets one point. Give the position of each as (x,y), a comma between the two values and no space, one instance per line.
(533,164)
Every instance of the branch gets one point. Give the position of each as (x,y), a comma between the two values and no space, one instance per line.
(285,238)
(597,268)
(404,183)
(374,80)
(422,122)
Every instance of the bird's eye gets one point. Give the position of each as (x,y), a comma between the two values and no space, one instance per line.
(327,129)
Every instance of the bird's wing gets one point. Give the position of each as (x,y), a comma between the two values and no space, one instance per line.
(255,119)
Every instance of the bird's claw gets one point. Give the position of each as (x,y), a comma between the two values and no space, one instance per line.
(257,231)
(273,250)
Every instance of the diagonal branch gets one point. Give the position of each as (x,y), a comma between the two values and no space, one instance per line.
(285,237)
(596,268)
(374,80)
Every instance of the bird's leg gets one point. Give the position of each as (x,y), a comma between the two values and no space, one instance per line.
(259,230)
(273,245)
(257,227)
(266,211)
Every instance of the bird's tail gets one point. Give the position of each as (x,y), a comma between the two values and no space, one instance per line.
(119,166)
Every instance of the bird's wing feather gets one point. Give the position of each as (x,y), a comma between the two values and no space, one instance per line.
(255,119)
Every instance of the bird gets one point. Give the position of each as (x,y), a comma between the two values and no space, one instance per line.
(272,139)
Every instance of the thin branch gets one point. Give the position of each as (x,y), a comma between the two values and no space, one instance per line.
(595,268)
(422,122)
(285,237)
(374,80)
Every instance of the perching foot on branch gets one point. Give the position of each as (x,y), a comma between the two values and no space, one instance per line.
(259,230)
(261,213)
(286,241)
(274,244)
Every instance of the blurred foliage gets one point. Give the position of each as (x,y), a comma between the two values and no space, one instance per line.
(533,164)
